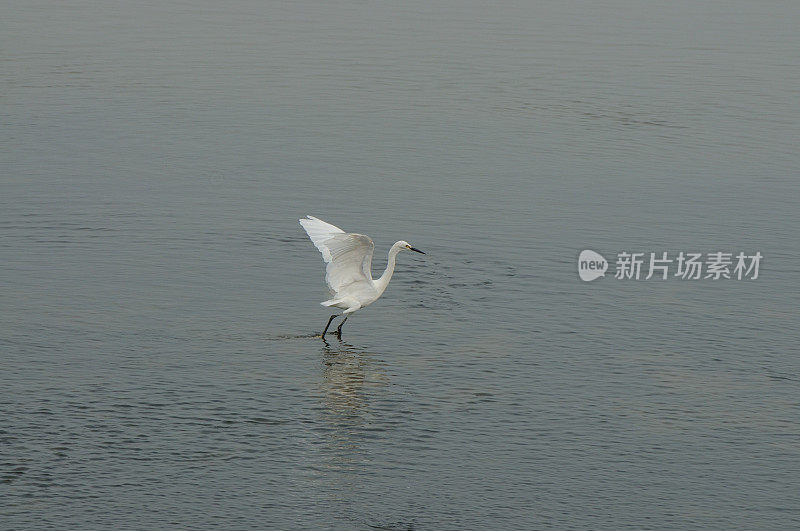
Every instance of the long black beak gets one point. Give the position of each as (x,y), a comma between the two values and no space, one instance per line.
(416,250)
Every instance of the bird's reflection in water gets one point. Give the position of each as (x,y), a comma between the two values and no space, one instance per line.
(352,384)
(350,377)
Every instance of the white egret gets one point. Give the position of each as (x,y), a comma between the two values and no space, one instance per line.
(349,267)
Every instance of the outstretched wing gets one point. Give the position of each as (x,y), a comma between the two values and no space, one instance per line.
(348,255)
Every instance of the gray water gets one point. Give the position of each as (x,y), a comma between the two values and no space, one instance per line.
(159,299)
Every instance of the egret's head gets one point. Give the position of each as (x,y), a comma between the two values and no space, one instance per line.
(405,245)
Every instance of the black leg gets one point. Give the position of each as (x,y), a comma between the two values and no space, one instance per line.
(339,329)
(334,316)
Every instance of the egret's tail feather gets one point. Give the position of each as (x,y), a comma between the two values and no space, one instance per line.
(331,302)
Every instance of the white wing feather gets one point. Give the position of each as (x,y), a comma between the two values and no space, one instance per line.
(348,255)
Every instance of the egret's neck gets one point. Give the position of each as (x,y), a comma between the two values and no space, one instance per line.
(383,281)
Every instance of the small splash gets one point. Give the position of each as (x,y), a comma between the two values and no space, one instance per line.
(288,337)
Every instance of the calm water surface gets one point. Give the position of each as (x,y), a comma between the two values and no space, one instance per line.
(159,299)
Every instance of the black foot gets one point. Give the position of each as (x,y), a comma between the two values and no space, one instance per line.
(334,316)
(339,329)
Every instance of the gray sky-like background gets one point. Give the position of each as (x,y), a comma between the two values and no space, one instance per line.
(158,296)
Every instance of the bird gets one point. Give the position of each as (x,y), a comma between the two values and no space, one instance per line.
(348,256)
